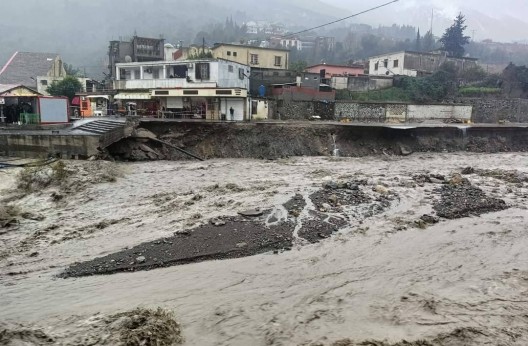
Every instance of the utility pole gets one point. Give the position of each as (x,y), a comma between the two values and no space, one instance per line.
(432,18)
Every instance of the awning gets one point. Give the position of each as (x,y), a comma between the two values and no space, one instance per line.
(133,96)
(98,96)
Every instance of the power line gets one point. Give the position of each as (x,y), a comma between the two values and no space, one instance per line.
(342,19)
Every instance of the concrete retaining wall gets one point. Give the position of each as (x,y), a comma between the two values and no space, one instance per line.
(418,113)
(478,110)
(42,146)
(400,113)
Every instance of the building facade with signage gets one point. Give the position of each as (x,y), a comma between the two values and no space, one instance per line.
(211,89)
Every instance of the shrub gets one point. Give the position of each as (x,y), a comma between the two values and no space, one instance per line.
(478,91)
(36,178)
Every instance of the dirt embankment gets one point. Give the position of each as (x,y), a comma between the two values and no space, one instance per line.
(130,328)
(271,141)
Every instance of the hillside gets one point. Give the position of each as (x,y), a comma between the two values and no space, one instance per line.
(80,31)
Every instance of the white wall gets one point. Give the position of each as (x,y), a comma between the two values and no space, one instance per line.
(237,104)
(390,69)
(262,110)
(339,83)
(174,102)
(440,112)
(228,79)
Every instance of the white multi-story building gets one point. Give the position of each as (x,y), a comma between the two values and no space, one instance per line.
(210,88)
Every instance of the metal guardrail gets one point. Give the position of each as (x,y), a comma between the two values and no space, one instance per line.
(111,137)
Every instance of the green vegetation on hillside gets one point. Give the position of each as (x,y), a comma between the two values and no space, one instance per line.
(384,95)
(478,91)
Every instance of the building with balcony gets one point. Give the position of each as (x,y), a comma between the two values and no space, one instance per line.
(206,88)
(272,58)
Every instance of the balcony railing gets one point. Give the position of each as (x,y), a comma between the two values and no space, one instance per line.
(160,84)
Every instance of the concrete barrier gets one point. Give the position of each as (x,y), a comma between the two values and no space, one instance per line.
(419,113)
(34,145)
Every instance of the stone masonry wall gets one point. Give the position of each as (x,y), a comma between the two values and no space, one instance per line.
(485,110)
(494,110)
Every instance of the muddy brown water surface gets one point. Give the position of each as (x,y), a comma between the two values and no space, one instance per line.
(358,262)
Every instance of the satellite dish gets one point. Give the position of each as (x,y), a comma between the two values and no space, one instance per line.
(387,73)
(128,58)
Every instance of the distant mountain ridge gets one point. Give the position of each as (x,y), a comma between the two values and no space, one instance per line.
(80,30)
(503,20)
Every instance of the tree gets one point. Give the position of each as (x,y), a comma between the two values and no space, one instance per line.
(428,42)
(72,71)
(453,40)
(473,74)
(418,43)
(65,87)
(298,66)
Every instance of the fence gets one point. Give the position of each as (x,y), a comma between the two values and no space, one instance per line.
(29,119)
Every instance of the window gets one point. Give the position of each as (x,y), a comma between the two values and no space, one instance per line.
(234,53)
(241,73)
(161,92)
(275,73)
(386,63)
(202,71)
(254,107)
(228,53)
(395,64)
(190,92)
(179,71)
(155,73)
(254,59)
(44,82)
(230,68)
(224,92)
(376,66)
(278,61)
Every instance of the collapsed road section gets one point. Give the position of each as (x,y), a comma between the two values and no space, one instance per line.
(272,140)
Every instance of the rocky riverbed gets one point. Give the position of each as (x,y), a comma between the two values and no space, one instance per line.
(429,248)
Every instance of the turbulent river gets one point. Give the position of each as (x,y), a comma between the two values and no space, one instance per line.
(383,276)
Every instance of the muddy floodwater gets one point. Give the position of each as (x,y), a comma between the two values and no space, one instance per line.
(297,251)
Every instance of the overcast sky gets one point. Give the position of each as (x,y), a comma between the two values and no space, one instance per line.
(503,20)
(492,8)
